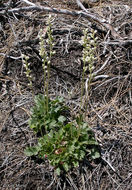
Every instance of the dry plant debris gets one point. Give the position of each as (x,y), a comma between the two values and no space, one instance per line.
(109,111)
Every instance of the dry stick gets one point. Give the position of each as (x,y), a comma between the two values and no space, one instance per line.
(130,96)
(113,169)
(122,42)
(28,2)
(81,5)
(90,16)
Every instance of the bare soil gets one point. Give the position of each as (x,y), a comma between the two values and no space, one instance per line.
(109,111)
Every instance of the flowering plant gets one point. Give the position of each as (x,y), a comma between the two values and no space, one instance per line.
(63,143)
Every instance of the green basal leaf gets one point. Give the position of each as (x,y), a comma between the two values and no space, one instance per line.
(43,140)
(30,151)
(58,171)
(60,132)
(33,126)
(85,125)
(94,153)
(60,99)
(82,154)
(92,142)
(71,149)
(75,164)
(57,109)
(76,156)
(50,134)
(83,143)
(61,119)
(63,145)
(47,121)
(55,161)
(65,166)
(52,123)
(68,127)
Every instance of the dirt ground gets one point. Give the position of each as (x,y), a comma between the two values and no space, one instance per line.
(109,111)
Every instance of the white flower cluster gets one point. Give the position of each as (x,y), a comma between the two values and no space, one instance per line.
(42,49)
(27,68)
(89,43)
(46,55)
(50,36)
(46,59)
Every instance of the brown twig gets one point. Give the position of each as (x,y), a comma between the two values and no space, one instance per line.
(90,16)
(123,42)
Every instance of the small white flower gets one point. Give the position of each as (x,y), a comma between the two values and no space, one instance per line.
(24,62)
(93,49)
(24,65)
(81,42)
(45,67)
(26,57)
(92,42)
(88,46)
(49,16)
(22,55)
(88,59)
(85,68)
(48,63)
(27,74)
(95,31)
(53,52)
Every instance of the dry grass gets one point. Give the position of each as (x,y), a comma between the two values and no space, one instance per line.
(109,111)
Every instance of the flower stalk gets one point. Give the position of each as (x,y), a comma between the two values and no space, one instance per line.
(89,43)
(27,72)
(46,59)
